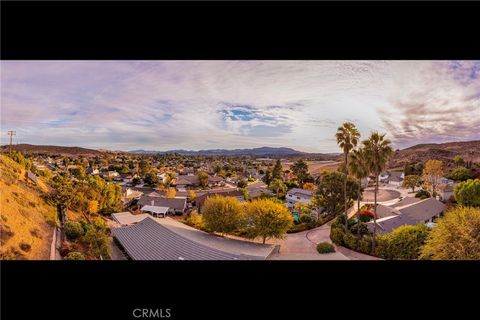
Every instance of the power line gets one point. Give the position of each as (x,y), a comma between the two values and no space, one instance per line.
(11,134)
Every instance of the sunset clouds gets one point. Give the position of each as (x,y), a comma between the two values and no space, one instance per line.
(165,105)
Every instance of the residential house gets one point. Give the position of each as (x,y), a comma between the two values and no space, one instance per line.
(422,211)
(199,201)
(298,195)
(176,205)
(393,178)
(126,218)
(129,195)
(92,171)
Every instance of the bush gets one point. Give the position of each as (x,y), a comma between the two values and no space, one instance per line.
(404,242)
(75,256)
(325,247)
(349,240)
(194,220)
(362,226)
(73,230)
(307,218)
(298,228)
(336,235)
(365,245)
(422,194)
(25,246)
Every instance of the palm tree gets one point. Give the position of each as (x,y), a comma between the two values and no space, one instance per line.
(358,166)
(347,138)
(377,151)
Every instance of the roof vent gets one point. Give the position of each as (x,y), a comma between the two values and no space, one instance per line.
(181,258)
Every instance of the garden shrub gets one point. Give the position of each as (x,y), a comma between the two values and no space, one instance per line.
(298,228)
(405,242)
(362,226)
(325,247)
(307,218)
(73,230)
(349,240)
(75,256)
(422,194)
(336,234)
(25,246)
(365,246)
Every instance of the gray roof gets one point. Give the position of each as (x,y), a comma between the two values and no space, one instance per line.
(300,192)
(405,201)
(395,176)
(410,214)
(174,203)
(149,240)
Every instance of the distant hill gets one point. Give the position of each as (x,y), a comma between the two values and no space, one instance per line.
(64,151)
(469,150)
(263,151)
(26,220)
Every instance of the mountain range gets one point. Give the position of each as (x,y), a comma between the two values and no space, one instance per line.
(263,151)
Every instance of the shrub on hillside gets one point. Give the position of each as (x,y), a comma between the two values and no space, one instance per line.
(75,256)
(25,246)
(73,230)
(325,247)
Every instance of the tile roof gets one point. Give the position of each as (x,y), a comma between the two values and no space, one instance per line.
(149,240)
(178,203)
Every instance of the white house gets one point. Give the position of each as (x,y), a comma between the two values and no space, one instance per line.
(298,195)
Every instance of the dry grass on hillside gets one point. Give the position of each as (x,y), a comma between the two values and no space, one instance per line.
(315,168)
(26,220)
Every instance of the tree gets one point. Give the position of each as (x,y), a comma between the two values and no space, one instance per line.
(309,186)
(467,193)
(171,193)
(222,214)
(169,177)
(377,152)
(330,191)
(461,174)
(93,206)
(112,194)
(300,170)
(63,191)
(458,160)
(411,181)
(151,178)
(202,179)
(278,186)
(78,172)
(267,219)
(432,173)
(191,195)
(347,138)
(455,237)
(96,238)
(277,170)
(74,255)
(358,167)
(267,178)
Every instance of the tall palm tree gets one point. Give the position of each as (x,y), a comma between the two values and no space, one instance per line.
(347,138)
(377,151)
(358,166)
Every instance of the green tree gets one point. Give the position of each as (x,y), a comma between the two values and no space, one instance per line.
(74,256)
(267,219)
(347,138)
(461,174)
(63,191)
(455,237)
(277,170)
(432,173)
(267,178)
(278,186)
(151,178)
(202,179)
(300,170)
(330,191)
(411,181)
(377,151)
(467,193)
(358,166)
(222,214)
(458,160)
(96,238)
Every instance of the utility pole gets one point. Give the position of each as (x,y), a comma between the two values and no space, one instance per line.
(11,134)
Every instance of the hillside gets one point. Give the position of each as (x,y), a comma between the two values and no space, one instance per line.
(469,150)
(52,150)
(26,220)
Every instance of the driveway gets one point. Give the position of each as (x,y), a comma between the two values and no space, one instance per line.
(303,246)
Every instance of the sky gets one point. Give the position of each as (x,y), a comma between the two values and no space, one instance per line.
(194,105)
